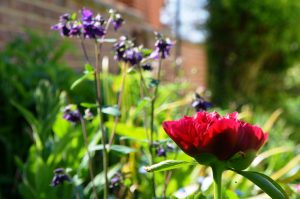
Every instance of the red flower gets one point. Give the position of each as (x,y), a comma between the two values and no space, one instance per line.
(210,133)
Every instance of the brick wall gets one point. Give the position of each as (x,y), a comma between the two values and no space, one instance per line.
(142,17)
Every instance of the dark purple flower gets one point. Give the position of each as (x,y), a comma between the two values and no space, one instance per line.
(200,104)
(162,47)
(147,67)
(87,15)
(120,48)
(93,27)
(67,26)
(117,21)
(133,56)
(72,115)
(161,152)
(59,177)
(116,181)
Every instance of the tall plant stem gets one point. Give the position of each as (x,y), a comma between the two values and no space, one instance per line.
(124,72)
(99,110)
(217,175)
(86,143)
(142,95)
(153,100)
(84,50)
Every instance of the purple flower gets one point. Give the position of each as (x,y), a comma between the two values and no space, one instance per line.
(86,15)
(200,104)
(120,48)
(67,26)
(147,67)
(72,115)
(117,21)
(162,47)
(125,51)
(93,27)
(59,177)
(133,56)
(161,152)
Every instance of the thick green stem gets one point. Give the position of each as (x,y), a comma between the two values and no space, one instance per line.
(217,175)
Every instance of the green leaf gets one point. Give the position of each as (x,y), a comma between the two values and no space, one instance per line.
(88,105)
(79,80)
(88,68)
(267,184)
(111,110)
(73,16)
(119,149)
(146,52)
(168,165)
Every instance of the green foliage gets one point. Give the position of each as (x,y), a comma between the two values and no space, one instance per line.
(251,45)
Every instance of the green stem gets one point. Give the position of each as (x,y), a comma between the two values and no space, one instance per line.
(124,72)
(217,175)
(153,100)
(86,143)
(99,110)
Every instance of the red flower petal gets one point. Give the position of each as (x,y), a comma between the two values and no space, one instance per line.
(183,133)
(221,138)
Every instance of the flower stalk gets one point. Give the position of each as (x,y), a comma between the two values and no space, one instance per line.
(86,143)
(124,74)
(217,175)
(153,100)
(99,110)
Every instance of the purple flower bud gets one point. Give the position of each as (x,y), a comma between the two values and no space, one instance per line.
(59,177)
(67,26)
(93,27)
(72,115)
(120,48)
(88,115)
(86,15)
(116,181)
(133,56)
(163,47)
(200,104)
(161,152)
(117,21)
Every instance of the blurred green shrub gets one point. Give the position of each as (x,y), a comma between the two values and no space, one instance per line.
(26,61)
(251,45)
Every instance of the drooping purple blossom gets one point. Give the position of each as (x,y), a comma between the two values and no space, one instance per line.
(72,115)
(125,51)
(59,177)
(67,26)
(93,27)
(162,47)
(132,56)
(117,21)
(199,104)
(161,152)
(120,47)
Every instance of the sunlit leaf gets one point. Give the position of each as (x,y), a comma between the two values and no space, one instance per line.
(111,110)
(88,105)
(120,149)
(81,79)
(168,165)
